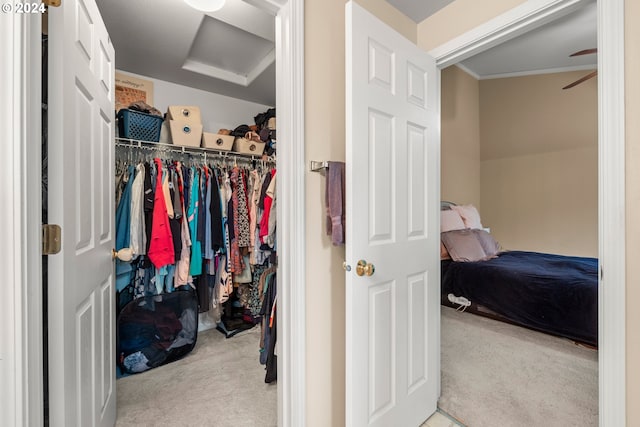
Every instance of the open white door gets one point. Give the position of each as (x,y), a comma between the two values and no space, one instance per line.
(392,211)
(81,200)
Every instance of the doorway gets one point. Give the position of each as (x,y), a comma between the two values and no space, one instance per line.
(611,252)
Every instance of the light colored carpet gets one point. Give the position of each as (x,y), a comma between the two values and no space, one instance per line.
(220,383)
(496,374)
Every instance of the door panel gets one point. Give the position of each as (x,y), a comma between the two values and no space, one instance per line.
(392,177)
(81,200)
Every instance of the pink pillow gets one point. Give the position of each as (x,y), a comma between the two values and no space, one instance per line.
(490,246)
(463,246)
(450,220)
(469,215)
(444,253)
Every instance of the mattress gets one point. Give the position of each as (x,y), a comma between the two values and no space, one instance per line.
(552,293)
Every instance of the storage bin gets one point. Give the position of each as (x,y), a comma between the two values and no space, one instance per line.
(185,113)
(140,126)
(217,141)
(246,146)
(271,124)
(185,134)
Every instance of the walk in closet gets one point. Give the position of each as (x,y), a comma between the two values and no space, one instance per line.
(196,247)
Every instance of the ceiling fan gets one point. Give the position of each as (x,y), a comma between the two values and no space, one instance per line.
(588,76)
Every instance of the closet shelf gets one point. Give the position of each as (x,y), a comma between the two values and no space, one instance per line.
(150,145)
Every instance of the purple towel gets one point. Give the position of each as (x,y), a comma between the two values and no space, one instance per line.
(335,202)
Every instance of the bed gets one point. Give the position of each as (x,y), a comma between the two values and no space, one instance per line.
(551,293)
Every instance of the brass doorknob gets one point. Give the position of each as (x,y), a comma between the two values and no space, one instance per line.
(364,268)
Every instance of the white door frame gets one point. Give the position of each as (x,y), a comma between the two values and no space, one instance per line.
(20,231)
(611,164)
(21,352)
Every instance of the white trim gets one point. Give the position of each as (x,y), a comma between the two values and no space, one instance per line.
(525,17)
(291,212)
(537,72)
(612,234)
(611,143)
(21,401)
(291,209)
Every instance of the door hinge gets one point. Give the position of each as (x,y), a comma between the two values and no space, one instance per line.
(52,3)
(51,239)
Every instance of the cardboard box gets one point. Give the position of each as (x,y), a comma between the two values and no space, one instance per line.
(217,142)
(185,134)
(246,146)
(185,113)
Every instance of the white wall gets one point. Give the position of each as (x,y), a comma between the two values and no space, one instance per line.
(218,111)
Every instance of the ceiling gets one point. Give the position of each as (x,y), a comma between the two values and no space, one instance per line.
(232,51)
(545,49)
(419,10)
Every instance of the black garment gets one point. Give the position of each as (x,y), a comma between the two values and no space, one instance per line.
(263,118)
(203,284)
(217,238)
(174,223)
(202,217)
(272,359)
(148,203)
(241,131)
(230,218)
(263,190)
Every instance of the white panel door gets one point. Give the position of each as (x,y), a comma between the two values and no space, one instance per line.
(393,316)
(81,200)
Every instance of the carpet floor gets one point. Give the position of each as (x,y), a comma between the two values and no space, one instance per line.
(497,374)
(220,383)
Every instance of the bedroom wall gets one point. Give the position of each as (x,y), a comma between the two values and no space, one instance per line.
(459,17)
(539,163)
(460,139)
(218,111)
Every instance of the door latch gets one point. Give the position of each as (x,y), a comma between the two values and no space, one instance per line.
(51,239)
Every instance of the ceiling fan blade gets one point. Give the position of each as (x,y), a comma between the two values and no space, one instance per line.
(585,52)
(581,79)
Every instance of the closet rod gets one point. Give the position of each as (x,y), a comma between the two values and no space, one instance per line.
(150,145)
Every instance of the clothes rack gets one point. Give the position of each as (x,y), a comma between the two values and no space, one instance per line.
(157,148)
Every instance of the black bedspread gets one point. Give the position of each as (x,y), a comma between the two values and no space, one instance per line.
(552,293)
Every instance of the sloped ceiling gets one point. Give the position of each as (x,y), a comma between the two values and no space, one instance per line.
(230,52)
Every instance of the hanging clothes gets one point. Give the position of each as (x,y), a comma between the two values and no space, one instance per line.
(196,226)
(138,235)
(161,248)
(195,268)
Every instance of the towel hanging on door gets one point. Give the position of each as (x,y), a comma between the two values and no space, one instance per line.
(335,202)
